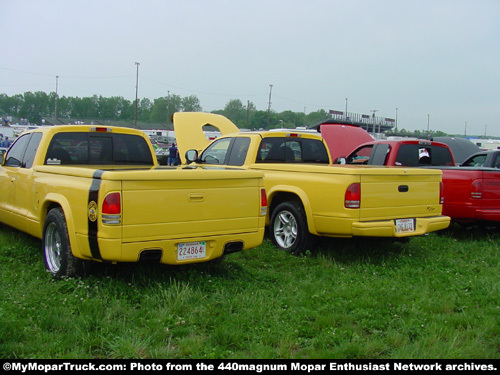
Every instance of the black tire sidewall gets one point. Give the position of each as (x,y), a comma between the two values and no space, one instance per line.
(56,216)
(302,230)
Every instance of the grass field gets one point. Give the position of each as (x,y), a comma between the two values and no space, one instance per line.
(436,297)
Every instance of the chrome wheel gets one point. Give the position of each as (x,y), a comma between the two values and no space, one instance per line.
(53,248)
(285,229)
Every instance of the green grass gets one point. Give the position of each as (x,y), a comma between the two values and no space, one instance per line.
(437,296)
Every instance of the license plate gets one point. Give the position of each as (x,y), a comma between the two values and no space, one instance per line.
(191,250)
(405,225)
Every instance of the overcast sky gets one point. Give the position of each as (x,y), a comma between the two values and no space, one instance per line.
(436,61)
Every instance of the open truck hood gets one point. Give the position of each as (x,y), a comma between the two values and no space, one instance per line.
(342,139)
(189,133)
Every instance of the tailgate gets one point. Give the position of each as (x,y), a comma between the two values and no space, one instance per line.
(191,203)
(400,193)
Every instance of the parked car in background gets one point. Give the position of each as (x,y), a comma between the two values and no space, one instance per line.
(409,153)
(461,148)
(342,138)
(486,159)
(471,191)
(307,195)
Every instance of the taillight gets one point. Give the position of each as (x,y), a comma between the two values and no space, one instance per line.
(353,196)
(101,129)
(477,192)
(112,209)
(263,202)
(441,193)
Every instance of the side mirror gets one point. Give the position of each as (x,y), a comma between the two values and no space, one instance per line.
(191,156)
(341,160)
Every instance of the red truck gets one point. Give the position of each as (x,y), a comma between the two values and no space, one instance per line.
(471,190)
(408,153)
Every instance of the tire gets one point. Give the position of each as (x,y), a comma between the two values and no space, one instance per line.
(288,228)
(59,259)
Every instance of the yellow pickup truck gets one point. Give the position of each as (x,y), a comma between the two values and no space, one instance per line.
(307,195)
(97,193)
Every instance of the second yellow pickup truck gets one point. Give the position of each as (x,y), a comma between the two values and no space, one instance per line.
(307,196)
(97,193)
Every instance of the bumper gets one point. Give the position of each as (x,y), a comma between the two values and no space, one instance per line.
(387,228)
(470,213)
(113,250)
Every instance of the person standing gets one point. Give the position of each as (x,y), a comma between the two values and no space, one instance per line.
(173,155)
(5,143)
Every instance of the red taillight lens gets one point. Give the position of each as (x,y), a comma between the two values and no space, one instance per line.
(441,193)
(263,198)
(112,204)
(263,202)
(353,196)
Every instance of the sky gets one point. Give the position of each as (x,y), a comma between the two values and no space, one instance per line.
(430,64)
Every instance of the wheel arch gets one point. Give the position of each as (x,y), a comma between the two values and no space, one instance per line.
(282,194)
(58,201)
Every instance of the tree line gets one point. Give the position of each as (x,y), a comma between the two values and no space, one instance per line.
(38,107)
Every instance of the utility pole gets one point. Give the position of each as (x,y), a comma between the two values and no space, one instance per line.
(428,119)
(168,106)
(55,101)
(396,119)
(269,105)
(345,117)
(248,112)
(136,92)
(374,110)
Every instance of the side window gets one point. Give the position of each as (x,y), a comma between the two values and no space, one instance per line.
(476,161)
(15,154)
(360,156)
(239,151)
(496,164)
(29,154)
(216,152)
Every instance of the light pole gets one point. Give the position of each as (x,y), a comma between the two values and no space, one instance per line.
(345,109)
(396,119)
(55,101)
(168,106)
(269,105)
(374,110)
(136,91)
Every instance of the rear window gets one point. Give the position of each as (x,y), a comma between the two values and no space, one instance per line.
(414,155)
(292,150)
(98,148)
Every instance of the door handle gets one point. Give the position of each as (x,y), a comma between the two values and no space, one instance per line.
(196,197)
